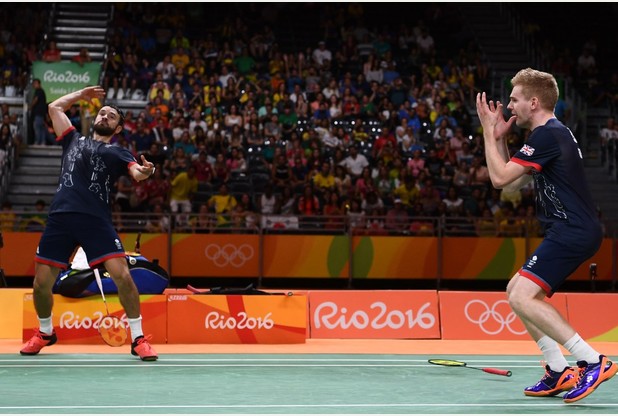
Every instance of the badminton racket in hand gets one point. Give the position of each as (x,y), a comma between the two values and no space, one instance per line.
(454,363)
(112,329)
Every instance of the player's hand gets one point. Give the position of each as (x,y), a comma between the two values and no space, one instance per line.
(147,168)
(491,117)
(90,93)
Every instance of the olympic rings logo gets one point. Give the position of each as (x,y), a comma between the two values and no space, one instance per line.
(229,254)
(499,321)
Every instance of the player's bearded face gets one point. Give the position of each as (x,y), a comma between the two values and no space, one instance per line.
(103,128)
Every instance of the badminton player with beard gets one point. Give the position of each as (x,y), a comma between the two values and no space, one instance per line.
(552,158)
(80,215)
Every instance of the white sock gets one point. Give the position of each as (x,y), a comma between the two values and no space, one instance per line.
(136,327)
(553,356)
(581,350)
(45,325)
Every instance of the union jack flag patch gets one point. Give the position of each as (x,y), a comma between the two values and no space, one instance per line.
(527,150)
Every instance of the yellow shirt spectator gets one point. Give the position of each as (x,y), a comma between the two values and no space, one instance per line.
(223,205)
(183,187)
(324,182)
(407,194)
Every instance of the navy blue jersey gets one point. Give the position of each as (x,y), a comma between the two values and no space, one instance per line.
(89,170)
(562,194)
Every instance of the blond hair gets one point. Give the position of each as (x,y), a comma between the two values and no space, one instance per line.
(538,84)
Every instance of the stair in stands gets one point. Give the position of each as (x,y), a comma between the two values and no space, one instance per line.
(35,177)
(84,25)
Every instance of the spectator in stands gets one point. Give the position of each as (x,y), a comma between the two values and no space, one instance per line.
(38,111)
(6,141)
(222,173)
(416,165)
(324,179)
(160,85)
(203,169)
(188,150)
(286,202)
(124,192)
(430,197)
(180,59)
(281,172)
(203,221)
(397,218)
(157,188)
(461,176)
(355,216)
(372,203)
(509,225)
(142,139)
(465,154)
(180,41)
(486,225)
(308,203)
(453,202)
(343,182)
(354,163)
(82,57)
(479,174)
(34,221)
(608,137)
(267,201)
(8,218)
(182,191)
(363,184)
(233,118)
(245,64)
(333,211)
(165,70)
(587,67)
(158,221)
(222,204)
(52,53)
(321,54)
(196,120)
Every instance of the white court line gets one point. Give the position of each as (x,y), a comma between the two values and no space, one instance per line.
(310,406)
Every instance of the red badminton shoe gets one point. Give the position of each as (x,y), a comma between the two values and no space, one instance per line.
(37,342)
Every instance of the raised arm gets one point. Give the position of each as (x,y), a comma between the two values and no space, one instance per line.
(502,172)
(58,108)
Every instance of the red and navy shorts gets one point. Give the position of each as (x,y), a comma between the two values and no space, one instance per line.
(563,250)
(64,232)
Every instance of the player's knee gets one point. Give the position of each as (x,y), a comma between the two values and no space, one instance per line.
(124,282)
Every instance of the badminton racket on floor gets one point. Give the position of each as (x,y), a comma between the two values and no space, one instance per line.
(455,363)
(112,329)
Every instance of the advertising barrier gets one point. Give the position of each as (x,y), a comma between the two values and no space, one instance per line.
(76,320)
(400,314)
(236,319)
(324,256)
(206,255)
(594,315)
(179,317)
(485,315)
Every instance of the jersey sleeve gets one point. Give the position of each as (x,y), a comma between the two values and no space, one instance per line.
(67,137)
(540,149)
(126,156)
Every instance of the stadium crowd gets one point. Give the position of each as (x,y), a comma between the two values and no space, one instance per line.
(375,124)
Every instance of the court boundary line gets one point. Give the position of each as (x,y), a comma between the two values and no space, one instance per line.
(297,406)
